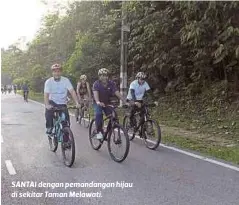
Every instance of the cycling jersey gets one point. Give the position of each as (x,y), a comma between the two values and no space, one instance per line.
(105,93)
(82,90)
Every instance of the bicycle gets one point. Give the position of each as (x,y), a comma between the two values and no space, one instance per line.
(109,135)
(83,115)
(62,133)
(144,125)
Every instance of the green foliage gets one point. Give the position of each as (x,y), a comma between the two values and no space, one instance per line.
(183,46)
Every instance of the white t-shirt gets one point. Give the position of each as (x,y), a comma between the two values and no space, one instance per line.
(58,89)
(139,90)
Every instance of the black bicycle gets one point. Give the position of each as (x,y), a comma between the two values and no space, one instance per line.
(62,133)
(115,134)
(142,124)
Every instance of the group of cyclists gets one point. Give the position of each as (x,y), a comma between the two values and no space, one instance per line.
(57,87)
(9,88)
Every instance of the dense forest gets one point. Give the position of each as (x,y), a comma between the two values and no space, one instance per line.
(184,47)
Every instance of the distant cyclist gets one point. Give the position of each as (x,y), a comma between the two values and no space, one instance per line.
(25,90)
(15,89)
(5,89)
(83,93)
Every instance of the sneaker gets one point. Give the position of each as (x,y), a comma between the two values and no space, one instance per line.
(48,131)
(99,136)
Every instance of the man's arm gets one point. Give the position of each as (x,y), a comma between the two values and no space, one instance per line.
(96,96)
(132,91)
(148,93)
(77,90)
(46,100)
(72,92)
(96,93)
(89,91)
(74,96)
(46,94)
(117,93)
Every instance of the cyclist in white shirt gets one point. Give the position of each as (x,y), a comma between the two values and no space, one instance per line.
(136,93)
(55,95)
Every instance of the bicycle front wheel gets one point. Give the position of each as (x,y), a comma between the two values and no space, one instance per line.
(95,143)
(151,134)
(68,147)
(118,143)
(53,142)
(129,129)
(86,119)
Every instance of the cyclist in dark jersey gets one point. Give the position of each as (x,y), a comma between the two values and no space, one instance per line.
(15,89)
(83,93)
(25,90)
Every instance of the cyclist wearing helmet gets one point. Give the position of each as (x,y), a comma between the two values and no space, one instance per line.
(55,94)
(103,90)
(137,91)
(83,93)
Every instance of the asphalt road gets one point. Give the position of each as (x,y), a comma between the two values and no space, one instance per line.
(161,177)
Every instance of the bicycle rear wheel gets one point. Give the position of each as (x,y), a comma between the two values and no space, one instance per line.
(68,147)
(118,137)
(95,143)
(151,134)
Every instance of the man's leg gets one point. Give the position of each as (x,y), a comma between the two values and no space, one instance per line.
(108,111)
(67,116)
(49,114)
(98,121)
(131,117)
(77,114)
(49,120)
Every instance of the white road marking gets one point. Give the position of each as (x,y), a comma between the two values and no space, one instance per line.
(10,167)
(186,152)
(1,139)
(202,158)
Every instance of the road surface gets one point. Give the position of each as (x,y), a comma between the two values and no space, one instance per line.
(161,177)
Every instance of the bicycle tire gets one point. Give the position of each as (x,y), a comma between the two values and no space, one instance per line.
(91,136)
(81,116)
(157,138)
(77,115)
(53,142)
(72,144)
(87,118)
(125,125)
(127,143)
